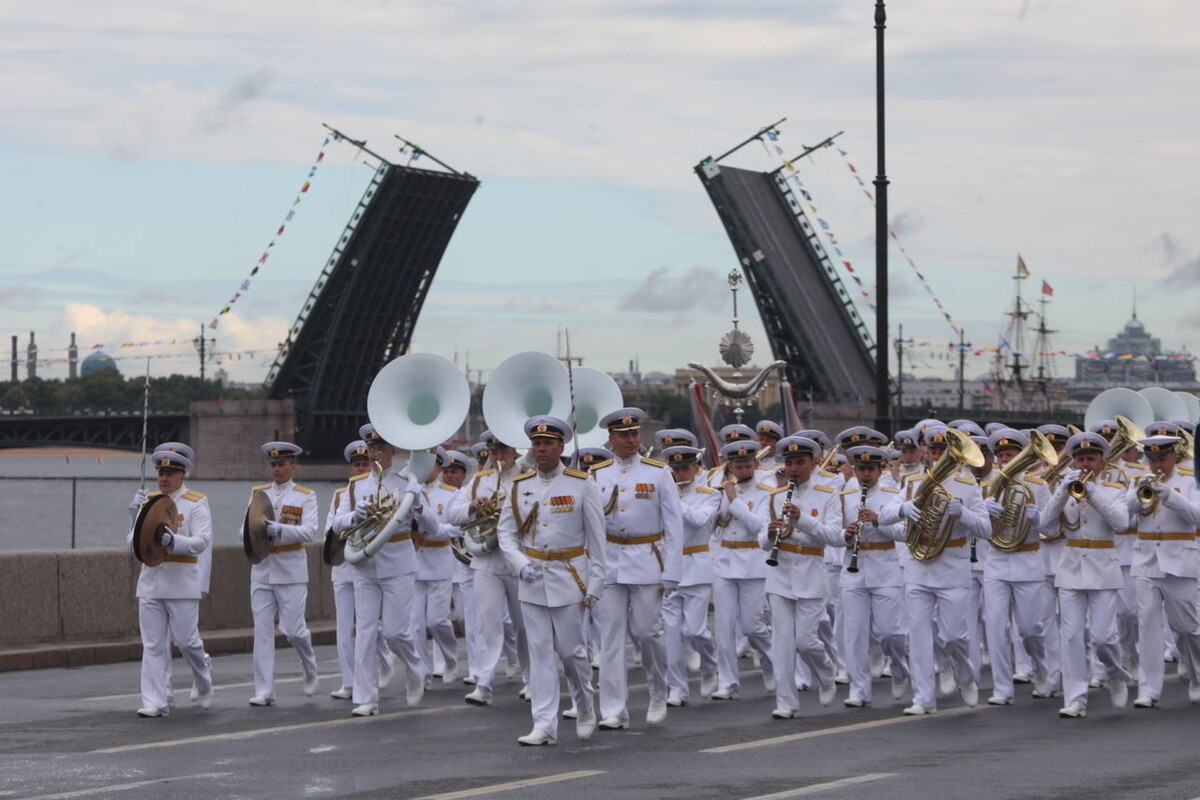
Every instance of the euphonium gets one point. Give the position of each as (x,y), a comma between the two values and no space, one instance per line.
(1011,528)
(927,537)
(479,535)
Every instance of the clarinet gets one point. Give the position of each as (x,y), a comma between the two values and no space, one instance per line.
(773,556)
(862,503)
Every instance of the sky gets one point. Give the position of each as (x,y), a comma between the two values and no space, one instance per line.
(149,153)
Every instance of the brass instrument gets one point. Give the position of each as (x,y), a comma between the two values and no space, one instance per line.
(1012,527)
(829,458)
(1186,448)
(479,535)
(1078,487)
(377,513)
(789,526)
(1147,493)
(927,537)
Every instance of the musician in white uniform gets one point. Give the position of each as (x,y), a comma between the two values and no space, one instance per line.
(462,589)
(1166,564)
(279,583)
(937,588)
(872,596)
(551,532)
(1088,576)
(685,611)
(804,519)
(643,531)
(495,581)
(169,594)
(740,570)
(342,577)
(384,585)
(435,573)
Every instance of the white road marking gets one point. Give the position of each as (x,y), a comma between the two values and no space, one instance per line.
(821,787)
(505,787)
(235,735)
(183,690)
(121,787)
(859,726)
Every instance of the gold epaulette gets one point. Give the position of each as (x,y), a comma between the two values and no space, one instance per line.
(601,465)
(193,495)
(360,476)
(303,489)
(826,473)
(966,480)
(705,490)
(1113,484)
(525,475)
(766,487)
(447,487)
(1035,480)
(155,493)
(338,490)
(891,489)
(574,473)
(262,487)
(483,472)
(652,462)
(1189,471)
(820,487)
(848,491)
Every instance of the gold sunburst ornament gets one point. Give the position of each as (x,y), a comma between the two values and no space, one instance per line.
(736,348)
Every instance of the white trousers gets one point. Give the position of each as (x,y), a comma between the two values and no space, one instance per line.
(975,622)
(872,614)
(384,604)
(1093,611)
(558,631)
(343,607)
(685,623)
(1024,602)
(431,618)
(739,602)
(794,632)
(1050,630)
(630,610)
(162,621)
(1177,598)
(462,599)
(494,594)
(832,629)
(948,608)
(285,600)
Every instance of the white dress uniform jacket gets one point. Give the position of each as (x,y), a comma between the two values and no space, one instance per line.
(737,554)
(1156,555)
(699,506)
(180,578)
(485,484)
(639,499)
(296,512)
(878,564)
(800,574)
(1095,518)
(564,536)
(398,556)
(1025,563)
(435,558)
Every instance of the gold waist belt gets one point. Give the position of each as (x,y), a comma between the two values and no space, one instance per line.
(876,545)
(556,555)
(1166,537)
(696,548)
(181,559)
(287,548)
(650,538)
(401,537)
(801,550)
(733,544)
(956,542)
(1092,544)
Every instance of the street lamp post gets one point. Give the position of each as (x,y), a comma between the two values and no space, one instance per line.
(882,389)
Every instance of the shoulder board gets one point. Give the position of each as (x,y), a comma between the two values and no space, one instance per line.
(574,473)
(447,487)
(601,465)
(890,489)
(339,490)
(820,487)
(1187,470)
(525,475)
(771,489)
(705,490)
(155,493)
(359,477)
(1034,480)
(826,473)
(262,487)
(848,491)
(652,462)
(1113,484)
(966,480)
(303,489)
(193,495)
(483,472)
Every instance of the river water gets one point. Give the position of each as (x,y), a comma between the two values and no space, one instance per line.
(64,500)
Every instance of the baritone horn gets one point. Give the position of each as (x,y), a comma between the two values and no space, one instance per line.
(928,536)
(1011,528)
(416,402)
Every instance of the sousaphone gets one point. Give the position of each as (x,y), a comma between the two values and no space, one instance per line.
(157,515)
(254,528)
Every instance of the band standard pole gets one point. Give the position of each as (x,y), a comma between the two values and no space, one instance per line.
(882,394)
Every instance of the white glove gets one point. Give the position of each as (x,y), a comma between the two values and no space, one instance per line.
(139,497)
(994,507)
(165,538)
(1071,475)
(360,511)
(1163,493)
(669,587)
(1032,512)
(590,600)
(528,573)
(909,510)
(274,530)
(954,508)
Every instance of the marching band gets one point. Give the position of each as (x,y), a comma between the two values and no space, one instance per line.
(1073,559)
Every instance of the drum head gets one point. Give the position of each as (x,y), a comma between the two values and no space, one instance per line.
(157,514)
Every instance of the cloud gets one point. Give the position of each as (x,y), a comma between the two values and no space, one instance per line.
(699,289)
(1170,248)
(224,110)
(1185,276)
(907,223)
(151,296)
(18,294)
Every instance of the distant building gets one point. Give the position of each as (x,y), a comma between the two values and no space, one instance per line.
(1134,358)
(95,362)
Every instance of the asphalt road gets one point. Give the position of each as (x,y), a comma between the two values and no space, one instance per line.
(73,733)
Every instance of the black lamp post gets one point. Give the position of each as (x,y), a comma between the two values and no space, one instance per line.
(882,388)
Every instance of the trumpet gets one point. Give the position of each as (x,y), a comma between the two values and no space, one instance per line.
(862,503)
(789,526)
(1147,493)
(1077,488)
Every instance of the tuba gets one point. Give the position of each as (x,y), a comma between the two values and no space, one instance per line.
(596,396)
(523,386)
(1010,529)
(927,537)
(415,402)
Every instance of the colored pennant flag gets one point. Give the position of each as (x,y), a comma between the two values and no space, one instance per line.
(1022,270)
(1047,289)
